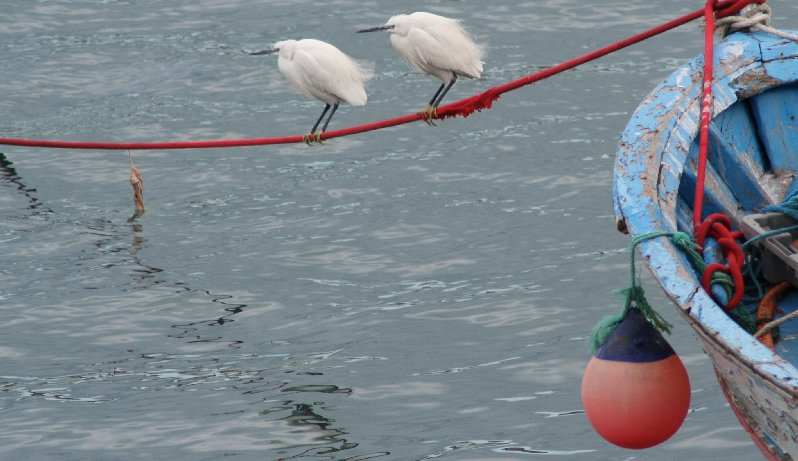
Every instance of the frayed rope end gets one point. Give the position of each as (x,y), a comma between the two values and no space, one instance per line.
(469,106)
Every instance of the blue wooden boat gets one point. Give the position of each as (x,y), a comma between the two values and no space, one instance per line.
(752,162)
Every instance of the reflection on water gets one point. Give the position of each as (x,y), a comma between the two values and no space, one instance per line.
(189,330)
(11,178)
(414,293)
(307,427)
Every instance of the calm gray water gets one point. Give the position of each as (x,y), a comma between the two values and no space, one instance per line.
(409,294)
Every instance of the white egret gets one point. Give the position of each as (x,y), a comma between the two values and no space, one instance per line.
(435,45)
(322,71)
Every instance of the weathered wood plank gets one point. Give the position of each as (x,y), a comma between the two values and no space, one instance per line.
(776,115)
(736,154)
(718,197)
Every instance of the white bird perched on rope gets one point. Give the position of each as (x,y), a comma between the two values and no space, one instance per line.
(322,71)
(435,45)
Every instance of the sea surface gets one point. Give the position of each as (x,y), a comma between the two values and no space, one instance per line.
(413,293)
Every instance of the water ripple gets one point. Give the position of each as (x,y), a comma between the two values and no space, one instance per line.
(497,446)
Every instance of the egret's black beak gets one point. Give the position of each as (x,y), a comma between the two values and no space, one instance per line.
(375,29)
(266,51)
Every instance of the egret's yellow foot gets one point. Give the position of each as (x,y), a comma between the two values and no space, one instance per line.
(312,137)
(429,113)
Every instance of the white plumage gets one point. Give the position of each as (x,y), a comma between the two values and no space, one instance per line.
(435,45)
(322,71)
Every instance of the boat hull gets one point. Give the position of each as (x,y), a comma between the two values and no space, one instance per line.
(753,162)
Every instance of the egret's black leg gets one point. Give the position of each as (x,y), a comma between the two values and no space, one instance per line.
(309,137)
(316,125)
(431,111)
(440,98)
(324,128)
(317,136)
(435,96)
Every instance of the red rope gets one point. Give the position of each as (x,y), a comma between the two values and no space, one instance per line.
(706,112)
(717,226)
(463,108)
(725,9)
(484,100)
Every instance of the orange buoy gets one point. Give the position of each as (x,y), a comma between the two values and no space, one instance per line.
(635,389)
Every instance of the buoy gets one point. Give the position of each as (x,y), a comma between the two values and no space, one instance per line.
(635,389)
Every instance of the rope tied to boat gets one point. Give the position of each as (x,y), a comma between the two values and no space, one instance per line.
(753,17)
(716,226)
(634,297)
(719,278)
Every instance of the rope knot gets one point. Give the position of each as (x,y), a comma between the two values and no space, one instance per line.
(634,294)
(752,17)
(718,227)
(683,240)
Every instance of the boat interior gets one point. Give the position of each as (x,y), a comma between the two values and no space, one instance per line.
(752,163)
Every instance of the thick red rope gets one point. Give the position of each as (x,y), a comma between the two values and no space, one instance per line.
(706,112)
(717,226)
(463,108)
(485,99)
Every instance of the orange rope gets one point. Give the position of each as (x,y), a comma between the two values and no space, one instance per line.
(767,308)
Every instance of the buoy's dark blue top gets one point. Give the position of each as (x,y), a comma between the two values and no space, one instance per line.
(635,340)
